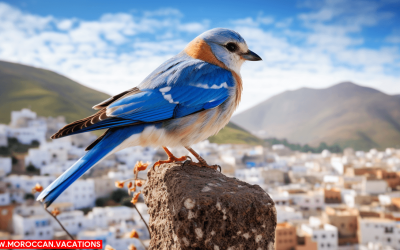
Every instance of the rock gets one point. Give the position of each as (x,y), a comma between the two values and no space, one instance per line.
(200,208)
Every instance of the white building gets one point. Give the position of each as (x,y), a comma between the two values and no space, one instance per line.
(56,168)
(103,186)
(348,197)
(130,156)
(49,152)
(26,127)
(311,200)
(386,199)
(287,214)
(338,164)
(80,194)
(379,230)
(281,198)
(26,183)
(5,198)
(19,118)
(374,186)
(116,238)
(3,136)
(5,166)
(251,175)
(36,227)
(73,221)
(325,235)
(102,217)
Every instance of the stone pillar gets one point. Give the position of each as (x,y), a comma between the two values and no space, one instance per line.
(200,208)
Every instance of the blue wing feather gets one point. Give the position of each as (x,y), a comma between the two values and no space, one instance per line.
(180,87)
(193,85)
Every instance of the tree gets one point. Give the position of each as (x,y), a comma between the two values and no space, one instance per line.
(29,196)
(118,195)
(101,202)
(31,169)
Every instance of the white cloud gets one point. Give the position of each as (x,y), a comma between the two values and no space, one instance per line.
(117,51)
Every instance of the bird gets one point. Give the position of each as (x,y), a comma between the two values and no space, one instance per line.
(187,99)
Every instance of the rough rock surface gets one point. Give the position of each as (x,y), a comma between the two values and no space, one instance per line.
(200,208)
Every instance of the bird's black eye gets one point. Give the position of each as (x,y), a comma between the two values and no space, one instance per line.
(231,47)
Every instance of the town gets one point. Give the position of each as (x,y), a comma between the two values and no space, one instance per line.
(348,200)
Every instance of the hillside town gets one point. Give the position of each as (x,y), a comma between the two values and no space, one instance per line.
(327,201)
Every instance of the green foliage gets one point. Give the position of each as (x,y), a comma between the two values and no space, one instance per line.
(101,202)
(85,210)
(14,146)
(118,195)
(127,202)
(305,148)
(29,196)
(30,169)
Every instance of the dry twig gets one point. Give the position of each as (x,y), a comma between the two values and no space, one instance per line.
(61,225)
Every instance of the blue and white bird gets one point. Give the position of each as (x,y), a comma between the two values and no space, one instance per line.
(187,99)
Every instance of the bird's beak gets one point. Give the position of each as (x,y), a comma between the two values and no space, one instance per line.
(251,56)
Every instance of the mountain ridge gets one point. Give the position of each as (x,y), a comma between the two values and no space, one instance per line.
(346,114)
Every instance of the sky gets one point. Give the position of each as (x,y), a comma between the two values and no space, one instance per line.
(112,46)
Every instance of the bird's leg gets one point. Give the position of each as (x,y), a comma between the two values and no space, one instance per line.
(171,158)
(202,162)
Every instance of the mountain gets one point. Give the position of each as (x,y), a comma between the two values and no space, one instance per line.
(45,92)
(345,114)
(233,134)
(51,94)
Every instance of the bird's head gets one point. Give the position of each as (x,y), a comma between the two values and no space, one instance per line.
(224,46)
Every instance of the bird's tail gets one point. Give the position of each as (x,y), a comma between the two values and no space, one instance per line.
(105,147)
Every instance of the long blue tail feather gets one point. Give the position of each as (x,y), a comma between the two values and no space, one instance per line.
(91,158)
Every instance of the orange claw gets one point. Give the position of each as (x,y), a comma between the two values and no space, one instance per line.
(171,158)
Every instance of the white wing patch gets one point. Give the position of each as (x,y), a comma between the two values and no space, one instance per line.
(165,89)
(167,97)
(205,86)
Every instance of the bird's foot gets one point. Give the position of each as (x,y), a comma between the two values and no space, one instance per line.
(204,164)
(171,159)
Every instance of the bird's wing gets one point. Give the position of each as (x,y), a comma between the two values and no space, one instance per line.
(183,89)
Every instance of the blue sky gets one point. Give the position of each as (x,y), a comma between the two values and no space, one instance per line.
(112,45)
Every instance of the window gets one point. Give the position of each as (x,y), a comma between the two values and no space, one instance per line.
(389,230)
(388,240)
(328,245)
(333,235)
(315,236)
(322,245)
(323,236)
(4,212)
(41,233)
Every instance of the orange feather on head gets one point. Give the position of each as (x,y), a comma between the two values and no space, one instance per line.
(199,49)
